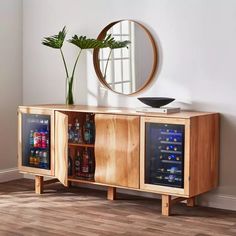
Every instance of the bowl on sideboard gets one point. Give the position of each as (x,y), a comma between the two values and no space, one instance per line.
(156,101)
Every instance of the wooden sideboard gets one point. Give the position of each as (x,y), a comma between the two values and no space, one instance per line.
(121,150)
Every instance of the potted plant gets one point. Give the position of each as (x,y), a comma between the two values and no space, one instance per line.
(82,42)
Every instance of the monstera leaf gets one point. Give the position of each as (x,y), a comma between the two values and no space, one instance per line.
(55,41)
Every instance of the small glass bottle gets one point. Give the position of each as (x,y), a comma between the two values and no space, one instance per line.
(78,132)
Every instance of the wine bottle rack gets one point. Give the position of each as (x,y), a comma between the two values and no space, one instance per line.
(164,155)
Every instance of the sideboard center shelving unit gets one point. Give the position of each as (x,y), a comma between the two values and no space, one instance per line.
(173,155)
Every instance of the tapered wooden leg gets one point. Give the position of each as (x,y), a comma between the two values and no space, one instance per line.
(166,205)
(191,202)
(38,184)
(111,193)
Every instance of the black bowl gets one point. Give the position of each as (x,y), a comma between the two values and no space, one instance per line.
(156,101)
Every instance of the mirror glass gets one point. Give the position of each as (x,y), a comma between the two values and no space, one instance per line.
(126,70)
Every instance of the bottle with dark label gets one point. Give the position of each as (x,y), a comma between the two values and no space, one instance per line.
(88,130)
(70,164)
(91,165)
(78,164)
(70,133)
(85,165)
(78,132)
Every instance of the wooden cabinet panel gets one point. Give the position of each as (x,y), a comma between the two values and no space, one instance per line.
(204,151)
(117,150)
(61,147)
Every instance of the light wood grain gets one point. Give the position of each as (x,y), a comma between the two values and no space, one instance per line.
(191,202)
(113,110)
(165,205)
(28,169)
(38,184)
(111,193)
(61,147)
(117,150)
(204,151)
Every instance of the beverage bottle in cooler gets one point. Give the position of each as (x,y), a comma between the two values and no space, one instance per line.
(36,158)
(78,164)
(85,165)
(70,164)
(31,140)
(45,163)
(43,139)
(31,159)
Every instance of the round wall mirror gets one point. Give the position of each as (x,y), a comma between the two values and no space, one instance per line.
(126,69)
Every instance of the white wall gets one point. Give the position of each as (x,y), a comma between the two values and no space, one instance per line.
(10,79)
(197,39)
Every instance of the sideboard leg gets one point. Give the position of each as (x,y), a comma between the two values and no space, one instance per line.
(166,205)
(38,184)
(191,202)
(111,193)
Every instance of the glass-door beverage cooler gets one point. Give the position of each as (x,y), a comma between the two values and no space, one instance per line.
(35,135)
(164,154)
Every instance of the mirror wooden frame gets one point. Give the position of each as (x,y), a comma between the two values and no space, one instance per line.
(102,35)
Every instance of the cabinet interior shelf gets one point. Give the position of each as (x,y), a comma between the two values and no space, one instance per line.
(91,181)
(81,145)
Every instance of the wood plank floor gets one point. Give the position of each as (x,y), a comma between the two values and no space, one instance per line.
(81,211)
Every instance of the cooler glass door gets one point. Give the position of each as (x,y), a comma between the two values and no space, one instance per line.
(35,134)
(164,154)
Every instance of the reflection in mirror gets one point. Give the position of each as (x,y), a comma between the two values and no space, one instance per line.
(126,70)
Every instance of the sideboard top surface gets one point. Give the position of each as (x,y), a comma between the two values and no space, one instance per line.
(185,114)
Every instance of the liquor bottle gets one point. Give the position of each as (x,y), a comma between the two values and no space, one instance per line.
(70,134)
(31,140)
(78,132)
(70,164)
(78,164)
(85,164)
(91,165)
(88,130)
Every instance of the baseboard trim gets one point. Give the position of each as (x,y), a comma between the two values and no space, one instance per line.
(221,201)
(10,174)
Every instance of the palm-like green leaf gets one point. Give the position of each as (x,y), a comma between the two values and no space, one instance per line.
(110,42)
(86,43)
(55,41)
(119,44)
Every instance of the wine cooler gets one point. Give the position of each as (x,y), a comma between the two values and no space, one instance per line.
(164,154)
(36,141)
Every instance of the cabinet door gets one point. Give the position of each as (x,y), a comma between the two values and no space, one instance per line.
(61,147)
(117,150)
(164,160)
(36,141)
